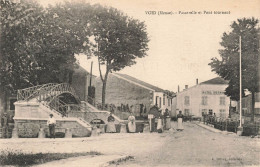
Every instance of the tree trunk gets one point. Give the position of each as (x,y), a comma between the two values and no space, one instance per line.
(104,90)
(253,107)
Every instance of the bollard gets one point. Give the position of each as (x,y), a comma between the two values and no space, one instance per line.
(239,131)
(146,128)
(123,128)
(68,133)
(41,133)
(102,128)
(1,134)
(15,133)
(94,132)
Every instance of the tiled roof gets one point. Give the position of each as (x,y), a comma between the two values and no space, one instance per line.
(155,88)
(217,81)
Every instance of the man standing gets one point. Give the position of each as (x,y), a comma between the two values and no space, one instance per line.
(51,123)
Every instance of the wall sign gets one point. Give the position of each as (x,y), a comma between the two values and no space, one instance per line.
(210,92)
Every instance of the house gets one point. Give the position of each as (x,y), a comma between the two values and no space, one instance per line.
(205,98)
(131,94)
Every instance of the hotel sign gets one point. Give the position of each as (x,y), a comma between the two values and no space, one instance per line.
(210,92)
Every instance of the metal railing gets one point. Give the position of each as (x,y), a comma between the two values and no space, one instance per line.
(46,92)
(28,93)
(224,124)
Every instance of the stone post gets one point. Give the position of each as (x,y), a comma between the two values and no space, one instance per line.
(94,131)
(146,128)
(15,131)
(123,128)
(239,131)
(41,133)
(68,133)
(102,128)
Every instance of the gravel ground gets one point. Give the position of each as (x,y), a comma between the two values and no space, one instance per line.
(195,146)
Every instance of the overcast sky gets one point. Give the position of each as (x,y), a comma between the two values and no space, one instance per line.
(181,45)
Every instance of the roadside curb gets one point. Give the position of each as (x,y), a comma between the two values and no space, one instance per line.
(82,161)
(117,160)
(210,128)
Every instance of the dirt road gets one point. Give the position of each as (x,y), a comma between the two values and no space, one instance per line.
(196,146)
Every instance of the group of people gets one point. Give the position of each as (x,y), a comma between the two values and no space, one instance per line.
(111,127)
(162,122)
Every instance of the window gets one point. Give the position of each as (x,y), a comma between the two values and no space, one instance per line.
(160,102)
(204,100)
(222,101)
(187,100)
(222,113)
(204,111)
(169,102)
(210,112)
(156,100)
(163,100)
(186,112)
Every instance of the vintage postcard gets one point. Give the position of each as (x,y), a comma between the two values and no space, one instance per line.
(130,83)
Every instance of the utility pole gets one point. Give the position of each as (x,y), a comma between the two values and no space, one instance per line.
(240,89)
(91,74)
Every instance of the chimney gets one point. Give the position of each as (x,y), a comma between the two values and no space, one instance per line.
(178,88)
(197,81)
(186,86)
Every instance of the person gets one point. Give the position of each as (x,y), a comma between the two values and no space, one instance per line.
(214,116)
(4,124)
(131,123)
(167,119)
(111,128)
(51,123)
(180,121)
(159,123)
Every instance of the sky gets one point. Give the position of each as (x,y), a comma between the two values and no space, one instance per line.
(181,45)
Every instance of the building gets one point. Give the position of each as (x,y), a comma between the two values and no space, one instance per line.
(133,94)
(81,82)
(247,109)
(206,97)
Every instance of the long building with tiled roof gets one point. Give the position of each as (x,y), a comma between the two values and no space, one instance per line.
(137,95)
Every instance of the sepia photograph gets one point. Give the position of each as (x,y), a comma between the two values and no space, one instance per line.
(129,83)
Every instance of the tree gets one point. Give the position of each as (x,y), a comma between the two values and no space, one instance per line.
(119,40)
(38,45)
(228,66)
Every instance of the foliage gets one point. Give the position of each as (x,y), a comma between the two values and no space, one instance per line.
(228,66)
(16,157)
(119,40)
(170,93)
(38,45)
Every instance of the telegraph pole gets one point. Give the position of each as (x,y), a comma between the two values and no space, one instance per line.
(240,89)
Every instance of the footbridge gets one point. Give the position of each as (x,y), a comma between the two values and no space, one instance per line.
(34,104)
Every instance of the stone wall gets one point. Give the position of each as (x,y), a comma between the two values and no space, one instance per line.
(120,91)
(90,116)
(30,128)
(31,116)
